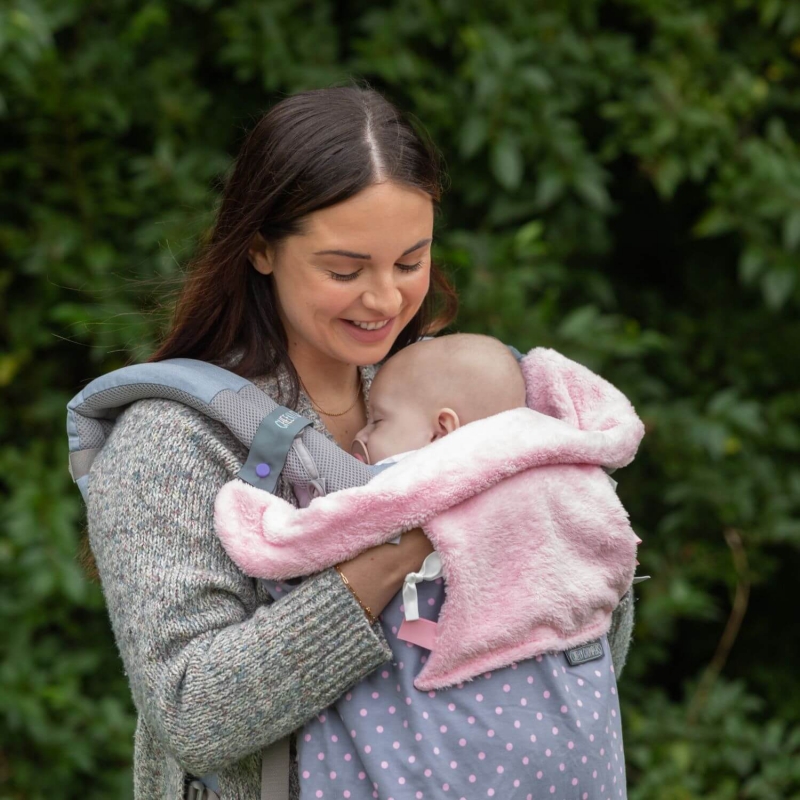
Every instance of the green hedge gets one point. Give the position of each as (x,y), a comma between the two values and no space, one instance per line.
(624,186)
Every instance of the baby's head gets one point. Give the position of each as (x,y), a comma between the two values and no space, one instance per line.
(430,388)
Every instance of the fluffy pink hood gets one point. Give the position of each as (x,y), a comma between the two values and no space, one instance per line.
(536,548)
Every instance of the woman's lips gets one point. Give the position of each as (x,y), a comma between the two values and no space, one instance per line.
(368,337)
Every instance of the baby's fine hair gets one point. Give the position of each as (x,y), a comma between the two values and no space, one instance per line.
(475,374)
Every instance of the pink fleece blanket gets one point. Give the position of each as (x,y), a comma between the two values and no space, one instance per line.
(536,548)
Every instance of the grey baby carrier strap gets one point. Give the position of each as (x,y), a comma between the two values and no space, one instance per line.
(278,441)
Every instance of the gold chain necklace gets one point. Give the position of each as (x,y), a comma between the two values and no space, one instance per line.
(328,413)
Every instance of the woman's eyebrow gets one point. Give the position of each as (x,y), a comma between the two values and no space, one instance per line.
(366,257)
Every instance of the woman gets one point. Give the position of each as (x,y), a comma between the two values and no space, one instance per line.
(317,268)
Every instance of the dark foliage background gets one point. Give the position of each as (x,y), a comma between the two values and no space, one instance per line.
(625,187)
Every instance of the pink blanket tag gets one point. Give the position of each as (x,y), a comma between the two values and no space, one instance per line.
(419,631)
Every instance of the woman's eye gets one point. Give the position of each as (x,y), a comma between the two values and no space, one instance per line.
(410,267)
(340,277)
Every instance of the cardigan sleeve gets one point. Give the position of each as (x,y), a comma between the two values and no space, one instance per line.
(216,674)
(621,632)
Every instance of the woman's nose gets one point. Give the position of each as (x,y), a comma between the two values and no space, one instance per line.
(383,297)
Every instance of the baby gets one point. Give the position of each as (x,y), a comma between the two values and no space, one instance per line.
(421,394)
(433,387)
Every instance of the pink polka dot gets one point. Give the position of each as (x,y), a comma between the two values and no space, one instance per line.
(363,712)
(525,760)
(346,793)
(583,759)
(548,752)
(580,681)
(471,720)
(545,694)
(334,738)
(570,745)
(428,773)
(418,795)
(347,757)
(307,737)
(500,769)
(408,701)
(425,715)
(333,775)
(319,792)
(396,745)
(368,749)
(443,729)
(539,776)
(481,756)
(555,731)
(533,737)
(509,746)
(362,775)
(436,751)
(451,706)
(562,767)
(321,756)
(375,695)
(322,718)
(538,715)
(517,723)
(401,780)
(564,709)
(479,697)
(453,764)
(487,674)
(516,783)
(462,742)
(445,787)
(472,779)
(431,601)
(490,792)
(418,737)
(379,728)
(431,694)
(523,701)
(392,709)
(385,764)
(412,759)
(498,710)
(507,687)
(552,790)
(306,773)
(530,678)
(574,781)
(490,733)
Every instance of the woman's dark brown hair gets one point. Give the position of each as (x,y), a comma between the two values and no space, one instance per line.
(309,151)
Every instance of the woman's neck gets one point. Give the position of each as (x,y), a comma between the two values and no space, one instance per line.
(325,379)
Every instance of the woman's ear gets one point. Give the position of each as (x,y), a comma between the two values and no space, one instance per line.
(446,422)
(259,255)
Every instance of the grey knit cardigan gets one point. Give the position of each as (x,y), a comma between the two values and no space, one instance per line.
(218,671)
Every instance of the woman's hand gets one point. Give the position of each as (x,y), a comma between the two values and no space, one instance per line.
(377,574)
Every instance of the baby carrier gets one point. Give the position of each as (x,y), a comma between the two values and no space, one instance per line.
(279,441)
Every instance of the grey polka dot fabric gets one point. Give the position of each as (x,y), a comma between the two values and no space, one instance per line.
(537,729)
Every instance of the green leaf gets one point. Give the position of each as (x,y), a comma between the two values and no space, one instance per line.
(506,163)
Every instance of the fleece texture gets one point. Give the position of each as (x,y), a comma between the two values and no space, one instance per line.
(518,503)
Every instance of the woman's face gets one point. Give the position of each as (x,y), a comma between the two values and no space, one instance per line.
(366,260)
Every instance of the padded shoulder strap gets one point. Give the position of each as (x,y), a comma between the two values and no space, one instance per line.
(278,440)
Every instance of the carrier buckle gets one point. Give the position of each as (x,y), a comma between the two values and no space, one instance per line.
(197,790)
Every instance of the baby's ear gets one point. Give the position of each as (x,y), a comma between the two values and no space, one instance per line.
(446,422)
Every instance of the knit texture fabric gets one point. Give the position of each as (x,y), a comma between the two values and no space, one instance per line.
(218,671)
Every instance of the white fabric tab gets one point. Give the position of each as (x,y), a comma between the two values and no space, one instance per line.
(430,570)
